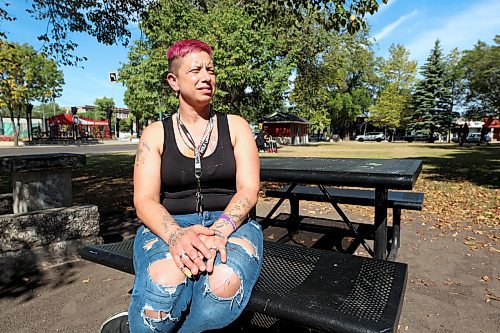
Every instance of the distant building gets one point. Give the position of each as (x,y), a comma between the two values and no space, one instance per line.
(475,127)
(120,113)
(287,128)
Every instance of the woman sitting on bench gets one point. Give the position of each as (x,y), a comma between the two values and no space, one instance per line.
(196,178)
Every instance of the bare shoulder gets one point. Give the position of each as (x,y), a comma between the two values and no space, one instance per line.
(152,137)
(239,129)
(237,123)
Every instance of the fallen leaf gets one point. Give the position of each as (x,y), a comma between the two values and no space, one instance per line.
(490,295)
(447,282)
(87,280)
(485,278)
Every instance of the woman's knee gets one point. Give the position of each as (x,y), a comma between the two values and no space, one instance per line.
(167,277)
(224,282)
(165,272)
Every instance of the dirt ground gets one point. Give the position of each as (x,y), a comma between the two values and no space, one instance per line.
(451,288)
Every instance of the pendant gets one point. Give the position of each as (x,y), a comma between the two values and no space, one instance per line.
(188,152)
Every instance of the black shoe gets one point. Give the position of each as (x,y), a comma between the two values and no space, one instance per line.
(117,323)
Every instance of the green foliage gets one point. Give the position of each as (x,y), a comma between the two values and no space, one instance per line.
(101,107)
(47,110)
(455,78)
(397,77)
(481,70)
(335,77)
(125,125)
(432,99)
(109,21)
(390,106)
(26,76)
(251,75)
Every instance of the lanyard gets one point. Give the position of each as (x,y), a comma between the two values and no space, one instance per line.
(199,151)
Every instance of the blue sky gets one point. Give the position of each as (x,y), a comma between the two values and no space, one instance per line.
(415,24)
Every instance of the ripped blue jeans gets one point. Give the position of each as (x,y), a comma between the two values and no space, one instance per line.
(191,306)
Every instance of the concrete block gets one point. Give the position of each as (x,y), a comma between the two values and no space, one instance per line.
(31,262)
(50,226)
(41,189)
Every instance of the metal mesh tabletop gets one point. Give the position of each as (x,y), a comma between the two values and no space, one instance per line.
(388,173)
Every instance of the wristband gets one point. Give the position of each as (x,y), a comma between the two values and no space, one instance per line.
(228,219)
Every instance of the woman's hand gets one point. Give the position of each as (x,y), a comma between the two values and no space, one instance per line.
(188,250)
(215,243)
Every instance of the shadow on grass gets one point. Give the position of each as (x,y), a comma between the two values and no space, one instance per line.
(478,165)
(107,182)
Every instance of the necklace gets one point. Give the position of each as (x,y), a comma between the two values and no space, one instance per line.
(198,151)
(191,145)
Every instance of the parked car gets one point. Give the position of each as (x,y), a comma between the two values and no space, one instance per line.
(476,137)
(420,137)
(371,136)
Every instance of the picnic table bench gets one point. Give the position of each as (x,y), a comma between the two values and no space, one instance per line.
(322,290)
(397,200)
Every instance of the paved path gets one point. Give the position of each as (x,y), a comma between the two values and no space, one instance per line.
(112,146)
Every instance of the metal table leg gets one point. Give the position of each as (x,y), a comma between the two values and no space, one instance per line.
(346,220)
(266,221)
(380,244)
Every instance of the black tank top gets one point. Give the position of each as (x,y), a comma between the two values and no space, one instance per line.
(218,179)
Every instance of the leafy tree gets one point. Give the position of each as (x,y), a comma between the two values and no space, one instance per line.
(336,79)
(109,21)
(397,77)
(389,107)
(455,76)
(101,107)
(250,72)
(26,76)
(432,99)
(46,110)
(481,70)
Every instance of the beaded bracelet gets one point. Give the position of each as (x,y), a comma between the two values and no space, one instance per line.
(228,219)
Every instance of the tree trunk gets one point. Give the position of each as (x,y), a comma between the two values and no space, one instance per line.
(15,129)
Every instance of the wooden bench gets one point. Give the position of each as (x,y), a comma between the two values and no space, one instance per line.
(321,290)
(396,200)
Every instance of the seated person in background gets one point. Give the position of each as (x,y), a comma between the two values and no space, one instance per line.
(260,142)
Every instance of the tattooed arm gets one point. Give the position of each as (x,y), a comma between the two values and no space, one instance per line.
(247,176)
(147,183)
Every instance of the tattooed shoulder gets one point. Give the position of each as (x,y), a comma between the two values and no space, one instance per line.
(142,151)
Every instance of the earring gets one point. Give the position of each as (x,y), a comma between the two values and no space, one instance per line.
(177,93)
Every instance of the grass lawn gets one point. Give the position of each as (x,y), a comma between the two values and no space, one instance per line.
(461,184)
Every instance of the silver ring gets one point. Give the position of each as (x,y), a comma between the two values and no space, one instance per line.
(213,247)
(183,255)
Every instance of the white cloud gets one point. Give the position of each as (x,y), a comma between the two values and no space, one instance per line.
(390,28)
(461,30)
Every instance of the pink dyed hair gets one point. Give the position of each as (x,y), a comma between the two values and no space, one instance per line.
(184,47)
